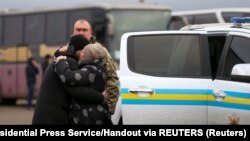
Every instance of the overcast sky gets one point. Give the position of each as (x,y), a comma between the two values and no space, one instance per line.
(175,5)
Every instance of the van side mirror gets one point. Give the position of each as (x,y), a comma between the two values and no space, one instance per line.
(241,73)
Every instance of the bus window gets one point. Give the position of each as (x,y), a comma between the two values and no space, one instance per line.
(56,31)
(99,22)
(98,15)
(13,30)
(177,22)
(204,18)
(135,20)
(1,30)
(100,32)
(34,28)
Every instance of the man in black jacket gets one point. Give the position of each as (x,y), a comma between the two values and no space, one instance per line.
(54,98)
(31,72)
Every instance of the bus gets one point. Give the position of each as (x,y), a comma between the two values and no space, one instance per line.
(220,15)
(36,33)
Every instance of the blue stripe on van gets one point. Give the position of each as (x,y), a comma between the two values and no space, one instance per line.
(165,102)
(238,94)
(187,102)
(229,105)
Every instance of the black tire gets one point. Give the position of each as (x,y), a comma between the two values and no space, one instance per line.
(9,101)
(1,99)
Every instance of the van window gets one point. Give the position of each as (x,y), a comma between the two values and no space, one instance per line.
(202,18)
(238,53)
(168,55)
(216,44)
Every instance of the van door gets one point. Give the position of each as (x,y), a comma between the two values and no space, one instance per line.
(165,77)
(230,100)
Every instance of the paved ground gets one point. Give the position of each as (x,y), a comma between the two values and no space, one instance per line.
(16,115)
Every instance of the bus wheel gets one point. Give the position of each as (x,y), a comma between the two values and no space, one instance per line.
(1,99)
(9,101)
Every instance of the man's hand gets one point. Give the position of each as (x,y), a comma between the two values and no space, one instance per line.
(60,58)
(63,49)
(35,63)
(104,93)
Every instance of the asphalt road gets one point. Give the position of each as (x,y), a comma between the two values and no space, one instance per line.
(16,114)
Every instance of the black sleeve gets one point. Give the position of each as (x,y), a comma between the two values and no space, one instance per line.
(36,70)
(70,52)
(85,94)
(79,77)
(82,93)
(58,53)
(31,70)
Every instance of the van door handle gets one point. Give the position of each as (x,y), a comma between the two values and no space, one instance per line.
(141,91)
(219,95)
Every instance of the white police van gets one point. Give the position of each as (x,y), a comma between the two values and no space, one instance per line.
(197,75)
(204,16)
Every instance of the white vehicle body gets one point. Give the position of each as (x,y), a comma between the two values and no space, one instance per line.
(184,77)
(219,15)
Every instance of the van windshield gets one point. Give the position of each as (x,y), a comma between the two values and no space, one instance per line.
(134,20)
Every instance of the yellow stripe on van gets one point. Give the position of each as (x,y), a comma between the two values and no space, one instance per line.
(185,97)
(167,96)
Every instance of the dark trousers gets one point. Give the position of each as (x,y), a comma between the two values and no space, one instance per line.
(31,89)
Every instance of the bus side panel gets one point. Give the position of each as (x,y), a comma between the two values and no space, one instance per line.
(8,79)
(22,81)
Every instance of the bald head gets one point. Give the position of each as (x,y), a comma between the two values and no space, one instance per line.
(82,27)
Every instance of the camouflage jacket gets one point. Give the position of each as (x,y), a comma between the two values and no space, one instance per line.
(112,90)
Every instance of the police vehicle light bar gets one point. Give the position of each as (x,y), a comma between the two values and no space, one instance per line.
(239,20)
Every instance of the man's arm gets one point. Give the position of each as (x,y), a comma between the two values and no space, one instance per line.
(72,77)
(112,90)
(84,94)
